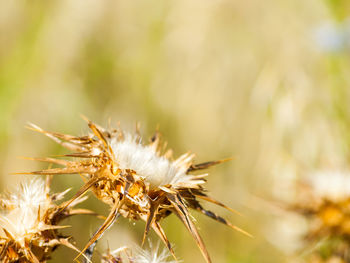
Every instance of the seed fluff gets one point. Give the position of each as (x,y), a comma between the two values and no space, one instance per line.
(140,255)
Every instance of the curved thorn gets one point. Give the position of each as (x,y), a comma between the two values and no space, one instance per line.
(81,191)
(182,212)
(205,165)
(106,224)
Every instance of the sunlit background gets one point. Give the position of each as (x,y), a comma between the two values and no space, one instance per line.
(265,82)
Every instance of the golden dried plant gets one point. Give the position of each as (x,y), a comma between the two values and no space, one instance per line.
(30,220)
(138,181)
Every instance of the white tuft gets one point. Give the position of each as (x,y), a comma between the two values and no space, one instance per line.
(333,185)
(139,255)
(157,170)
(152,255)
(23,209)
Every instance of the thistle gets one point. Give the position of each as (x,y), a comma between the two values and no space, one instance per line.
(29,223)
(138,181)
(325,203)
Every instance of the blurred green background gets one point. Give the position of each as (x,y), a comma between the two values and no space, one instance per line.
(266,82)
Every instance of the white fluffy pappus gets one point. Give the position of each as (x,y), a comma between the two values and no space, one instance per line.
(139,255)
(333,185)
(146,162)
(153,255)
(21,213)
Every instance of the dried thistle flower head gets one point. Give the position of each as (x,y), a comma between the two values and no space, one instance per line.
(140,255)
(137,180)
(325,203)
(29,223)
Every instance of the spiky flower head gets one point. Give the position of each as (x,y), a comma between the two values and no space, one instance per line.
(29,221)
(138,180)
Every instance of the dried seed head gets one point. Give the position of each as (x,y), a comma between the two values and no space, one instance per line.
(29,223)
(137,180)
(325,203)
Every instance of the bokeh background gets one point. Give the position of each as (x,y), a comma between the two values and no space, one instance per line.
(266,82)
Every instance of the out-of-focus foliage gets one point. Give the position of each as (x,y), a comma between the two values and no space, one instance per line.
(263,81)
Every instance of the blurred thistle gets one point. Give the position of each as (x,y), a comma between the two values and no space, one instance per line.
(138,181)
(325,202)
(30,220)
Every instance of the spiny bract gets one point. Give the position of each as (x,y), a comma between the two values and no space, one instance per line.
(29,223)
(137,180)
